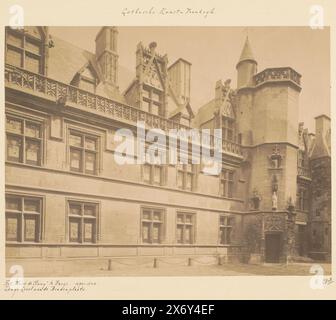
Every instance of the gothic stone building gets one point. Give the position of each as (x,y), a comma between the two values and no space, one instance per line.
(67,198)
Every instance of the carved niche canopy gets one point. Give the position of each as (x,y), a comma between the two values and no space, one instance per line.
(274,222)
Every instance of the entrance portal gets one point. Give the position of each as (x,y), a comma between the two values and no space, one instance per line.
(272,247)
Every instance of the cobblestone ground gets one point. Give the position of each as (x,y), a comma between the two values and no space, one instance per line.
(294,269)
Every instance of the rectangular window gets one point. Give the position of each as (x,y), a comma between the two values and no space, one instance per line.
(24,141)
(153,174)
(227,183)
(302,198)
(186,175)
(225,229)
(146,105)
(227,129)
(152,224)
(185,228)
(24,51)
(301,159)
(82,222)
(23,218)
(152,101)
(83,153)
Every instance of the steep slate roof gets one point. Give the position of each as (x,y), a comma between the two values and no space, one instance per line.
(181,110)
(321,147)
(66,60)
(205,113)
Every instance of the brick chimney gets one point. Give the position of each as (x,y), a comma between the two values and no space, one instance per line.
(106,54)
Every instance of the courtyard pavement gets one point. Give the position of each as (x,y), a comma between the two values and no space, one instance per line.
(236,269)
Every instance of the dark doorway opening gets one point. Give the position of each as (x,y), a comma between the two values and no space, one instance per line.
(301,236)
(272,247)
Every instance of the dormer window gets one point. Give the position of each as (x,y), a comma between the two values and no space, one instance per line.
(24,49)
(227,129)
(88,80)
(301,159)
(85,79)
(152,100)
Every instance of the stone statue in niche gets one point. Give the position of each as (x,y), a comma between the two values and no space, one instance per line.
(275,158)
(274,201)
(255,200)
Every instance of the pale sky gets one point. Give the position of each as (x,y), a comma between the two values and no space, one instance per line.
(214,53)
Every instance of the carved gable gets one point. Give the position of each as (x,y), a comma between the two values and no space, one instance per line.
(152,75)
(227,110)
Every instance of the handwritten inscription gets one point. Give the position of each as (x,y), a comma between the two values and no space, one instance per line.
(46,286)
(168,12)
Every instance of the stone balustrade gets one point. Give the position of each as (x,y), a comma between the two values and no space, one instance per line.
(277,74)
(65,93)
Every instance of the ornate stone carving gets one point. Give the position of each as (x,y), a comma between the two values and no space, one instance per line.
(275,158)
(255,200)
(274,222)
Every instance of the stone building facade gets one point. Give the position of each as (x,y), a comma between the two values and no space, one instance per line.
(67,198)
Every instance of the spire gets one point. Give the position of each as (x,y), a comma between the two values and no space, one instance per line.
(247,53)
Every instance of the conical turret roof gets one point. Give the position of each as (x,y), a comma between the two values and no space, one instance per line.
(247,53)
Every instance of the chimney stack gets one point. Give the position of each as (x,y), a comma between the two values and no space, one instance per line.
(322,126)
(106,54)
(180,76)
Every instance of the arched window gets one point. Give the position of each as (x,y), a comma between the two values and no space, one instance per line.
(24,48)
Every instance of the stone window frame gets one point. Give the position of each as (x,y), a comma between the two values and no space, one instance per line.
(151,167)
(228,125)
(151,222)
(184,225)
(22,49)
(302,198)
(302,159)
(185,167)
(94,133)
(23,118)
(151,101)
(225,229)
(20,214)
(82,217)
(227,185)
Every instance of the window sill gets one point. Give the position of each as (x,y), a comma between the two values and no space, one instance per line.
(25,164)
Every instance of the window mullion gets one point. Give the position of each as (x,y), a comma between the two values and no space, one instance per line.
(152,169)
(83,159)
(22,222)
(23,62)
(23,141)
(151,231)
(82,223)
